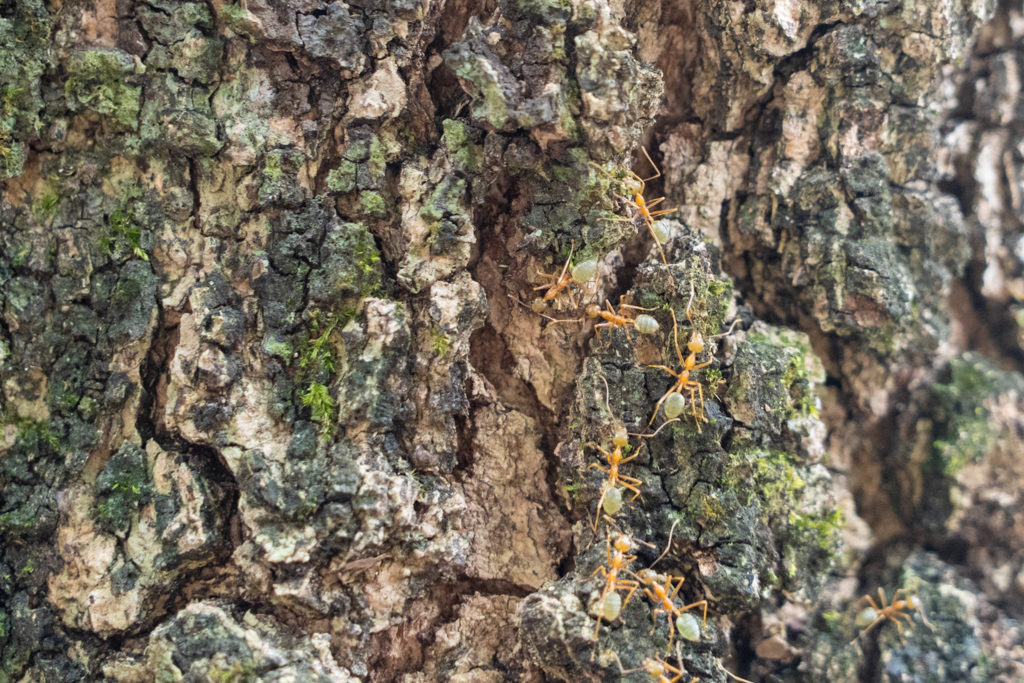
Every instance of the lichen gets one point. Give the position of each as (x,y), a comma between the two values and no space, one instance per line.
(101,81)
(24,36)
(962,429)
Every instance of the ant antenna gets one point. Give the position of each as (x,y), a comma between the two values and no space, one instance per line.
(690,302)
(727,332)
(668,546)
(655,433)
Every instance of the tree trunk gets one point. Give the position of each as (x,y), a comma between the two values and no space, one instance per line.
(298,379)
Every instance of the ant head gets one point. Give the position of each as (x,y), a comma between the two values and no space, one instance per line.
(634,186)
(621,438)
(623,543)
(696,343)
(593,310)
(648,576)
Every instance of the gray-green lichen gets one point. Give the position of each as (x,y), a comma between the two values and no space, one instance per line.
(24,32)
(102,81)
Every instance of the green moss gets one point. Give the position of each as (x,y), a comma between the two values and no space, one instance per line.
(439,342)
(45,206)
(317,364)
(316,355)
(35,435)
(98,80)
(321,406)
(824,530)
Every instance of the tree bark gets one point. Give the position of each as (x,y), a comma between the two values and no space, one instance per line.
(282,396)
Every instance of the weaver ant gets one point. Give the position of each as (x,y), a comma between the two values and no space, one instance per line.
(614,460)
(644,324)
(894,611)
(610,604)
(581,273)
(643,207)
(695,346)
(663,595)
(660,669)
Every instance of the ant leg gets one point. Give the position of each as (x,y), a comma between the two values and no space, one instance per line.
(694,604)
(657,171)
(679,584)
(632,488)
(661,250)
(600,501)
(658,407)
(700,392)
(632,586)
(675,335)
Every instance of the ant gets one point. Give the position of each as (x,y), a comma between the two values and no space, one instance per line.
(660,669)
(615,459)
(663,594)
(644,324)
(894,611)
(562,281)
(607,606)
(639,186)
(695,346)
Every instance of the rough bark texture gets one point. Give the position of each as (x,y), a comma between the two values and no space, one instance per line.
(271,408)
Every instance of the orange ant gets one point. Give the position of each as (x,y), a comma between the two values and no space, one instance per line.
(695,346)
(609,607)
(894,611)
(644,324)
(663,594)
(614,460)
(562,281)
(639,186)
(660,669)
